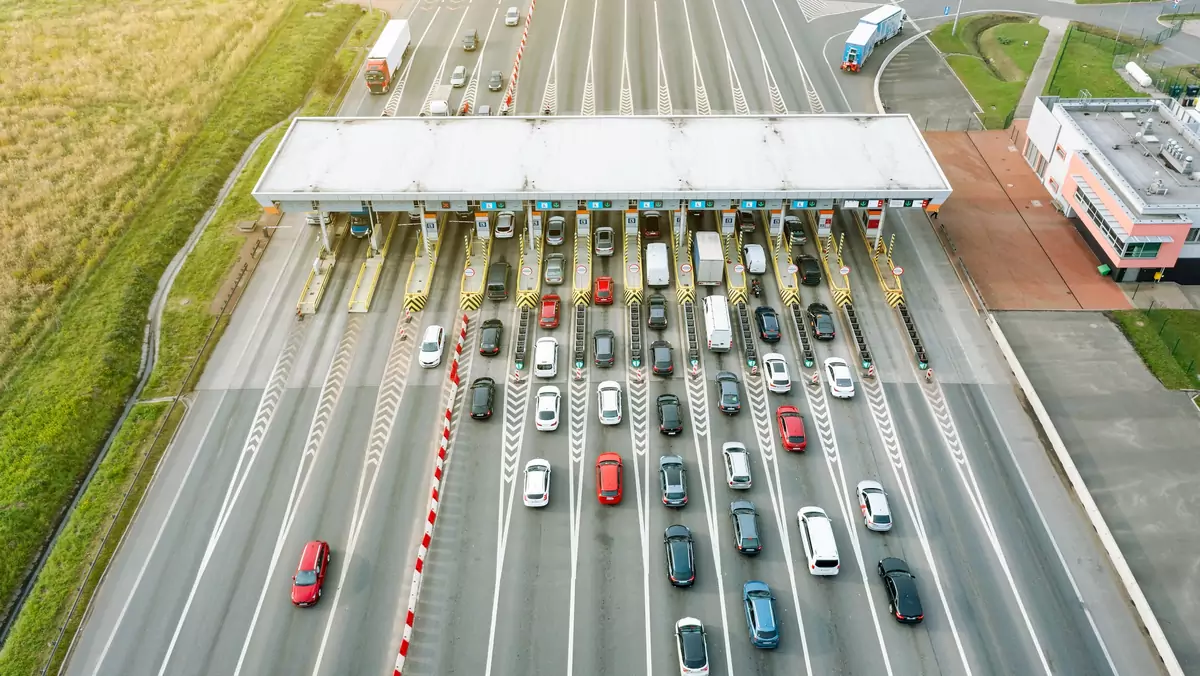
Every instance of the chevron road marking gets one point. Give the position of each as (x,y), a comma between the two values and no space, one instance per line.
(814,99)
(740,106)
(777,104)
(702,105)
(550,93)
(815,9)
(393,103)
(267,406)
(639,438)
(664,89)
(437,80)
(577,422)
(626,82)
(588,105)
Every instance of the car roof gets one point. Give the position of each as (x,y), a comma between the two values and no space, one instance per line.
(547,340)
(878,503)
(308,558)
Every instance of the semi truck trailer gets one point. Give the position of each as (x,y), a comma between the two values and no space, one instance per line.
(878,26)
(384,59)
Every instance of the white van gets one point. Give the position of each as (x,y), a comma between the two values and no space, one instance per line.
(716,324)
(545,357)
(658,265)
(816,535)
(737,465)
(755,259)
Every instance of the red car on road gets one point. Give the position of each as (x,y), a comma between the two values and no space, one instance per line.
(310,574)
(791,428)
(604,291)
(609,479)
(550,304)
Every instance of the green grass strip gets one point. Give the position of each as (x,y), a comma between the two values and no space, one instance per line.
(1156,334)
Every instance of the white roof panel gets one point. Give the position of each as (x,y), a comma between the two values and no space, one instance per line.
(627,157)
(881,14)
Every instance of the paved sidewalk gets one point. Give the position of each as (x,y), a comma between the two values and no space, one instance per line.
(1045,61)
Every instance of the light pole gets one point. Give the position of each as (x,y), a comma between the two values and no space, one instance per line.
(1124,16)
(954,28)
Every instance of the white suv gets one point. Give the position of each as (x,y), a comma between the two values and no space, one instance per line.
(608,394)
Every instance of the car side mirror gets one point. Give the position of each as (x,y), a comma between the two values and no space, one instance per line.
(293,578)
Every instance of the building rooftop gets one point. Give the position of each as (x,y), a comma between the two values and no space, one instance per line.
(1143,150)
(711,157)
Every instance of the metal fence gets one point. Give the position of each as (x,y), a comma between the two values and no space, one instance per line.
(1171,80)
(1160,321)
(958,121)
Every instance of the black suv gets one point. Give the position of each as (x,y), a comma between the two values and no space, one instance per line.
(810,270)
(483,391)
(729,396)
(661,357)
(745,527)
(656,312)
(604,347)
(768,324)
(490,337)
(821,321)
(901,586)
(681,558)
(670,414)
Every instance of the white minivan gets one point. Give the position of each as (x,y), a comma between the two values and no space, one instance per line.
(755,258)
(545,357)
(816,535)
(658,265)
(717,327)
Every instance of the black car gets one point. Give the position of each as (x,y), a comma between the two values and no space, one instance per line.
(901,585)
(604,347)
(810,270)
(768,324)
(821,321)
(651,224)
(656,312)
(483,391)
(745,527)
(745,221)
(729,396)
(670,414)
(661,356)
(672,477)
(681,558)
(490,337)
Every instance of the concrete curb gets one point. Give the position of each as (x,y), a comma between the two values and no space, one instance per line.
(888,59)
(414,593)
(1132,588)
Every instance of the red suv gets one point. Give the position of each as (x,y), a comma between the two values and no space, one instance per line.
(608,479)
(550,305)
(791,428)
(604,291)
(310,574)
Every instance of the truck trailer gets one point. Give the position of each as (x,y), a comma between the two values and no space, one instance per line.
(439,102)
(880,25)
(384,59)
(708,258)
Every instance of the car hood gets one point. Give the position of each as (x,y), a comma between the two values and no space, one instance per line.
(305,594)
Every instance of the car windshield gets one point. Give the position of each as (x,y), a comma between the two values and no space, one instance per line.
(693,648)
(306,578)
(429,346)
(843,382)
(759,594)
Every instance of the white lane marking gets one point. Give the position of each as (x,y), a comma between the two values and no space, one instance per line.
(814,100)
(516,410)
(935,398)
(702,105)
(639,437)
(761,413)
(664,90)
(578,407)
(437,79)
(473,86)
(834,73)
(777,104)
(740,107)
(392,386)
(158,536)
(877,399)
(393,102)
(550,93)
(588,104)
(331,393)
(267,406)
(626,83)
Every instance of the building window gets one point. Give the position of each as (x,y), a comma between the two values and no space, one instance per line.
(1040,167)
(1109,232)
(1141,250)
(1193,235)
(1053,185)
(1060,152)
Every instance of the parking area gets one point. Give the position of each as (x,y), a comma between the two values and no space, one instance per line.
(1021,253)
(1134,444)
(917,81)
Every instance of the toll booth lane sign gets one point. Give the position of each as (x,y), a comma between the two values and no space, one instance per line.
(685,268)
(527,271)
(469,272)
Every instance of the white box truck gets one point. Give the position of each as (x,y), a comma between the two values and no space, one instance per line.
(658,265)
(708,258)
(383,61)
(439,103)
(718,329)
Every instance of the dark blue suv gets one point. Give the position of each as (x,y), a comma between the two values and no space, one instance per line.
(760,614)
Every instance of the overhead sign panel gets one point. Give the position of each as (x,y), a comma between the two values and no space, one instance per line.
(650,204)
(862,204)
(598,205)
(493,206)
(448,205)
(909,204)
(804,204)
(701,204)
(754,204)
(549,205)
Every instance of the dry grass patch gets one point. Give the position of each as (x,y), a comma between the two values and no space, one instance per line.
(96,100)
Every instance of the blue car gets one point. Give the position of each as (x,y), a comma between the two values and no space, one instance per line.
(760,614)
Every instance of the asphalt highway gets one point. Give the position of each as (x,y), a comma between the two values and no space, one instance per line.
(327,428)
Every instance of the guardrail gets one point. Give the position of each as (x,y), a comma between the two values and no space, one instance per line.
(579,344)
(522,340)
(747,332)
(860,340)
(635,334)
(810,359)
(693,336)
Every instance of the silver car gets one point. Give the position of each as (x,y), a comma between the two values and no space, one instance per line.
(459,77)
(554,269)
(604,241)
(556,229)
(496,81)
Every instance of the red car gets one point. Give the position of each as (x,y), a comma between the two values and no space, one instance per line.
(550,305)
(609,479)
(310,574)
(604,291)
(791,428)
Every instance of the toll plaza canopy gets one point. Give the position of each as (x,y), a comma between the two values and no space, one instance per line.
(393,162)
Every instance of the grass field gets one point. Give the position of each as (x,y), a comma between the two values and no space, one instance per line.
(61,403)
(1168,341)
(1085,61)
(990,55)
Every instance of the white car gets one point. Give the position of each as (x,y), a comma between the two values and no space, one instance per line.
(505,224)
(755,258)
(431,347)
(691,646)
(537,483)
(872,500)
(512,17)
(548,398)
(841,382)
(779,380)
(459,77)
(608,394)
